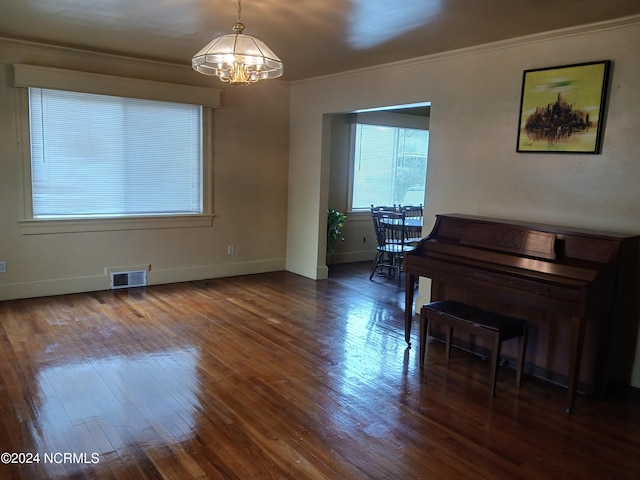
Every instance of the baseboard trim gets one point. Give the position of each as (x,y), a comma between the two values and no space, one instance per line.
(92,283)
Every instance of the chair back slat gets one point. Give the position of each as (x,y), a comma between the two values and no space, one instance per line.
(412,211)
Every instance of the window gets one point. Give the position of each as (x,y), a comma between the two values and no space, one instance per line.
(96,156)
(125,154)
(390,165)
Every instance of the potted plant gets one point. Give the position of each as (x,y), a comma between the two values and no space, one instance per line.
(335,221)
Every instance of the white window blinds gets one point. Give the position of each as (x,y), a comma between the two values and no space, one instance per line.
(390,166)
(103,156)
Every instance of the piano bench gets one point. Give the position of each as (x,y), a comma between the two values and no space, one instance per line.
(492,326)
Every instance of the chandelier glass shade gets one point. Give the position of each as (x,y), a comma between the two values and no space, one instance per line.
(237,58)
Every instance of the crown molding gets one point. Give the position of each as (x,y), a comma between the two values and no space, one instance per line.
(483,48)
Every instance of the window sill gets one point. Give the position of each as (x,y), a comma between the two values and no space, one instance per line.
(359,215)
(40,227)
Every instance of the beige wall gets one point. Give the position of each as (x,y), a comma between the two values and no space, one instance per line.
(473,166)
(250,164)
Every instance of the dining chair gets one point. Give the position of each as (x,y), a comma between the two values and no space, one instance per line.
(413,215)
(412,211)
(384,208)
(391,238)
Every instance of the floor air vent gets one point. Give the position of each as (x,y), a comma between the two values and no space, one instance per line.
(135,278)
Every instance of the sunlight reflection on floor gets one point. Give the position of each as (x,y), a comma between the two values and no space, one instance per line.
(104,404)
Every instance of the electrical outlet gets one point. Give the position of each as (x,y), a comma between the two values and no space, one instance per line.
(3,266)
(230,250)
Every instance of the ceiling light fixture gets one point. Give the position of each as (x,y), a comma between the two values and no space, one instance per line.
(237,58)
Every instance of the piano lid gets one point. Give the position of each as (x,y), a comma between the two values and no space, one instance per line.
(527,239)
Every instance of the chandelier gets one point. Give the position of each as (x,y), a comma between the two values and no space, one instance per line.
(237,58)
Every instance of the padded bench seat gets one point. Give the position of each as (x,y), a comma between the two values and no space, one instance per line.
(490,325)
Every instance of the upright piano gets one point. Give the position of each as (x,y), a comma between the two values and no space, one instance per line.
(577,288)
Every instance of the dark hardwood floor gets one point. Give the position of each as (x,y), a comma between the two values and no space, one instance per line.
(275,376)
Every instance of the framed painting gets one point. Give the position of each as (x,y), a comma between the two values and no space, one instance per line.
(563,108)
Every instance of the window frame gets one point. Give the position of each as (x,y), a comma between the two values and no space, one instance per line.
(32,226)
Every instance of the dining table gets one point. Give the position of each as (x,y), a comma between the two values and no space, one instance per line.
(410,224)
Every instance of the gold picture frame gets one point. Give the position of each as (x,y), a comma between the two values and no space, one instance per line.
(562,109)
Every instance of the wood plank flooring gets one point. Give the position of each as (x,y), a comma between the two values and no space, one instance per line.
(275,376)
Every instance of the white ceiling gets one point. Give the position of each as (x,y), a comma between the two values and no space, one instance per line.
(312,37)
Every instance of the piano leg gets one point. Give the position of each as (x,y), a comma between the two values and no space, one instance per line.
(578,323)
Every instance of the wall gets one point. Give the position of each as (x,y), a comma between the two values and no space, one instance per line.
(359,242)
(250,164)
(473,166)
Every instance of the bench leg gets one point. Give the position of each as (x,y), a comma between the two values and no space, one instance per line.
(495,358)
(448,335)
(522,347)
(424,333)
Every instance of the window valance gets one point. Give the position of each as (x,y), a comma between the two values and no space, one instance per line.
(70,80)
